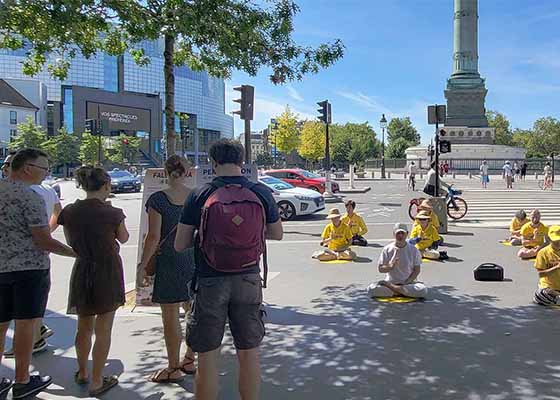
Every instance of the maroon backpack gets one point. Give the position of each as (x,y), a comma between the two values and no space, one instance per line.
(232,228)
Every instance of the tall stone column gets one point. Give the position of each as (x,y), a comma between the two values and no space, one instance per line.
(466,90)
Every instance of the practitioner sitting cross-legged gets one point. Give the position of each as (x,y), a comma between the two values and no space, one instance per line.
(520,219)
(535,237)
(548,267)
(337,237)
(400,261)
(426,238)
(356,224)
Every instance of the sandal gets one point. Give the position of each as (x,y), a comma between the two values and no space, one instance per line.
(186,363)
(108,383)
(80,381)
(160,377)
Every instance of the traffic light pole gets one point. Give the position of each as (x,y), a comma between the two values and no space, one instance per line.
(248,159)
(436,194)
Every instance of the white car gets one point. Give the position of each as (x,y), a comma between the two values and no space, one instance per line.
(293,201)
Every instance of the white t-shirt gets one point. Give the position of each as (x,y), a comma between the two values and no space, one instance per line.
(409,257)
(507,170)
(431,178)
(548,170)
(49,195)
(484,169)
(413,169)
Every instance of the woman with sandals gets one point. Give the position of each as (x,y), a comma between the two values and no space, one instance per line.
(173,271)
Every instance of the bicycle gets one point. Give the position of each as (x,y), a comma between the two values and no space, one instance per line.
(457,207)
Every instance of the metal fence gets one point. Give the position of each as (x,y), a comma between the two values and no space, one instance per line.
(466,165)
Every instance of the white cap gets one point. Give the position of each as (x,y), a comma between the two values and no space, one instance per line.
(400,228)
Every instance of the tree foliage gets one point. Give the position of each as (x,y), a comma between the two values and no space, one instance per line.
(264,159)
(89,149)
(29,135)
(121,153)
(403,128)
(312,141)
(504,134)
(353,143)
(397,148)
(63,149)
(286,136)
(213,35)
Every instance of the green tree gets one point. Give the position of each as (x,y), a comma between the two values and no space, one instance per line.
(123,148)
(546,136)
(353,143)
(287,133)
(63,149)
(213,35)
(312,141)
(89,148)
(403,128)
(29,135)
(264,159)
(504,134)
(397,148)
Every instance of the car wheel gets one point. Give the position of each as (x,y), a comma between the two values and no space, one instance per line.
(287,210)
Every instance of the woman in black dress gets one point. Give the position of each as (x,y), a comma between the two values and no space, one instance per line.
(93,229)
(174,271)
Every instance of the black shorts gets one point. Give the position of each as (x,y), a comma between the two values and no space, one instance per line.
(24,294)
(217,299)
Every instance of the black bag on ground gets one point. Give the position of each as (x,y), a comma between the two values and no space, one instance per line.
(489,272)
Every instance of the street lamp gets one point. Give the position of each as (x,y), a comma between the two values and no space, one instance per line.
(383,125)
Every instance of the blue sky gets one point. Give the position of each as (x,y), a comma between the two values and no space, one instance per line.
(398,57)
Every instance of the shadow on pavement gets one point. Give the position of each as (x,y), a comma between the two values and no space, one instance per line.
(456,233)
(452,346)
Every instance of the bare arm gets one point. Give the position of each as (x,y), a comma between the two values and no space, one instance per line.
(43,240)
(122,233)
(275,231)
(545,272)
(384,268)
(153,236)
(413,275)
(184,239)
(53,223)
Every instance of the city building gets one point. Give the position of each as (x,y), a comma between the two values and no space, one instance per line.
(130,97)
(20,99)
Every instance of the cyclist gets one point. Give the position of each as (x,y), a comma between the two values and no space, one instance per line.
(547,176)
(412,171)
(430,185)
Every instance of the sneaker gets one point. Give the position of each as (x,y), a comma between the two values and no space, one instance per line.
(46,332)
(39,346)
(36,384)
(5,386)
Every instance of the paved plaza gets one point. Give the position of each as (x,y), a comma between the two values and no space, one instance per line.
(327,340)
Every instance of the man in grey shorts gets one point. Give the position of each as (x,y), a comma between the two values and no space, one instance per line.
(223,296)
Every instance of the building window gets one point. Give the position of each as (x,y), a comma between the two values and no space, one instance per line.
(13,134)
(110,73)
(68,109)
(13,117)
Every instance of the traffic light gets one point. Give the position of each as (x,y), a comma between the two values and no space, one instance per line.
(431,151)
(324,111)
(91,126)
(246,101)
(125,141)
(444,146)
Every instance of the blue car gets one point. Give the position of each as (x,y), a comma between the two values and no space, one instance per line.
(124,181)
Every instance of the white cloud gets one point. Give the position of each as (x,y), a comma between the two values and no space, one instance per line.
(294,94)
(367,102)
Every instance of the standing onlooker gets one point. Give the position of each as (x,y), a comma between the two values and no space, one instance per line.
(25,241)
(445,168)
(484,174)
(412,171)
(92,227)
(516,171)
(174,271)
(228,211)
(547,171)
(507,174)
(524,170)
(53,208)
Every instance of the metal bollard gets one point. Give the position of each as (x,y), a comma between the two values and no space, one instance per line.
(454,175)
(536,176)
(388,175)
(470,175)
(372,174)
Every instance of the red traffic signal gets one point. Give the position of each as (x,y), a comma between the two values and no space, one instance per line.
(125,142)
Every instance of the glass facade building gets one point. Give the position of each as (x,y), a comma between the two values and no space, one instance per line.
(196,93)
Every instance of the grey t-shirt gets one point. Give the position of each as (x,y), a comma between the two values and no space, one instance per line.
(20,210)
(408,258)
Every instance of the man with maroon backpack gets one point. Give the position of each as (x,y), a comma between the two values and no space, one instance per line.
(232,218)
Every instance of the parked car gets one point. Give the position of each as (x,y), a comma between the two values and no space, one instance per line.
(303,179)
(293,201)
(54,183)
(124,181)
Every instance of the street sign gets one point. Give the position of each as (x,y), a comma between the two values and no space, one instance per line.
(436,115)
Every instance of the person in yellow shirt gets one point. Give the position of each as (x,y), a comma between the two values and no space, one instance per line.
(434,220)
(535,236)
(356,224)
(515,226)
(548,268)
(425,237)
(337,238)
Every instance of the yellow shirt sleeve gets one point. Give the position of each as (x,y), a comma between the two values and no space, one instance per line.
(435,221)
(527,231)
(429,236)
(542,259)
(348,233)
(362,225)
(514,225)
(327,231)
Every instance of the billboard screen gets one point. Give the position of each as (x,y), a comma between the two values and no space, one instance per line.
(120,118)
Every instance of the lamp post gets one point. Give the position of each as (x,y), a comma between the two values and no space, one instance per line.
(383,125)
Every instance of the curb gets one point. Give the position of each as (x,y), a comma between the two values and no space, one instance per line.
(355,191)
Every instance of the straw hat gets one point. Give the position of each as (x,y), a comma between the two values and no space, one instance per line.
(423,215)
(333,213)
(425,205)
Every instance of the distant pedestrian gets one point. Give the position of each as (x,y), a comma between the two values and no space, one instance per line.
(547,171)
(233,216)
(507,174)
(53,208)
(524,170)
(173,271)
(412,171)
(516,171)
(445,168)
(25,243)
(484,177)
(93,227)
